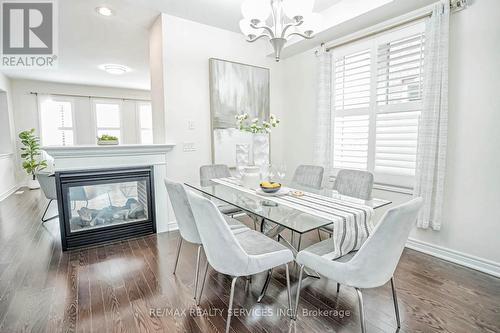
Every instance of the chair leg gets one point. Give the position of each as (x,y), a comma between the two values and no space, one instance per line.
(45,212)
(230,308)
(361,311)
(298,293)
(178,253)
(395,299)
(198,300)
(197,273)
(338,287)
(319,235)
(266,284)
(288,291)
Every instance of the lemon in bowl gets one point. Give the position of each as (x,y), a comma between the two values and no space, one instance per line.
(270,187)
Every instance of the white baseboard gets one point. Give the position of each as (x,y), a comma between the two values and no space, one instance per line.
(7,193)
(479,264)
(172,225)
(467,260)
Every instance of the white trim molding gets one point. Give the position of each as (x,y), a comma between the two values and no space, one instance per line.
(9,192)
(172,226)
(106,150)
(460,258)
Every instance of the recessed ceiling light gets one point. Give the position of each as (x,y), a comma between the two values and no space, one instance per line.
(104,11)
(115,69)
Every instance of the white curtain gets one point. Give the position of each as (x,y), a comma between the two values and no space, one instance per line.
(432,135)
(323,144)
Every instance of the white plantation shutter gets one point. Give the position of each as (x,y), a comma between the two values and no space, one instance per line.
(377,92)
(351,142)
(399,70)
(351,82)
(399,93)
(396,142)
(56,120)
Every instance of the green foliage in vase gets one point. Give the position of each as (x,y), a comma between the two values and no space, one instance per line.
(244,123)
(106,137)
(31,152)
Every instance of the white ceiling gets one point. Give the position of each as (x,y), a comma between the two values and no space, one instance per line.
(224,14)
(87,40)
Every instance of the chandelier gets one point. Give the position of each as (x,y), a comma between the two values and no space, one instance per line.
(279,20)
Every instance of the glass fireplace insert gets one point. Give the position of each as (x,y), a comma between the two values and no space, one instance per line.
(103,205)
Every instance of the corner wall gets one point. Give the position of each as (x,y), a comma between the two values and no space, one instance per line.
(8,160)
(185,67)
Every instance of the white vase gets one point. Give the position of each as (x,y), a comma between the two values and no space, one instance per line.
(33,184)
(242,154)
(251,177)
(261,149)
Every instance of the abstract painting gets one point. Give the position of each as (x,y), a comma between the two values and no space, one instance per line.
(235,89)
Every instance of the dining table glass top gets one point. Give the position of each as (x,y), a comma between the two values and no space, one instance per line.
(281,214)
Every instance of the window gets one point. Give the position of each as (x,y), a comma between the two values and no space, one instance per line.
(377,92)
(56,122)
(145,123)
(108,118)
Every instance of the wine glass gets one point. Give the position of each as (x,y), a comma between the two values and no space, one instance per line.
(281,172)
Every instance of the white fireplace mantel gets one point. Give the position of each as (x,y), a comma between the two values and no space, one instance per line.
(119,156)
(106,150)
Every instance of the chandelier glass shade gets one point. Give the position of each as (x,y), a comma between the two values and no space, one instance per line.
(279,20)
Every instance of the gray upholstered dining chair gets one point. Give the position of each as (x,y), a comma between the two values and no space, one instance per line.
(242,254)
(209,172)
(308,176)
(373,265)
(304,177)
(353,183)
(187,226)
(48,186)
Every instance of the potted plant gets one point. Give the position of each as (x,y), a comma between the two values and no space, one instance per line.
(106,139)
(30,153)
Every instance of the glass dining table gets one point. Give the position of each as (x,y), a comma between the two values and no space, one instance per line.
(280,215)
(275,217)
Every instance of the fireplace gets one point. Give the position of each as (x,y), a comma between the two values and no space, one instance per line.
(103,205)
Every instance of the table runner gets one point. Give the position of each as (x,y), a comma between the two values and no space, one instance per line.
(352,222)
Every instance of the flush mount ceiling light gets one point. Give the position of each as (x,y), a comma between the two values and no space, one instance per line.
(104,11)
(286,18)
(115,69)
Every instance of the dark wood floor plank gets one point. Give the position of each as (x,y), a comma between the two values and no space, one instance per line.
(125,286)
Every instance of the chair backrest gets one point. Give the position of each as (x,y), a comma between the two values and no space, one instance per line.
(47,184)
(208,172)
(375,262)
(182,210)
(308,176)
(354,183)
(223,251)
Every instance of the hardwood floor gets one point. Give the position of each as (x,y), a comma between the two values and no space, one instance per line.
(129,287)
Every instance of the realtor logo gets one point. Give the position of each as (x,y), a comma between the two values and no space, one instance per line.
(28,34)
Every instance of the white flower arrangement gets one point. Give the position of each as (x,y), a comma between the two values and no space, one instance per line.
(254,126)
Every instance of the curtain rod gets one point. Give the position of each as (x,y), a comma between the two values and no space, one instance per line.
(91,96)
(455,5)
(379,31)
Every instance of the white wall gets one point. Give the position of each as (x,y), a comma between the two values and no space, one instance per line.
(8,181)
(187,47)
(472,190)
(26,108)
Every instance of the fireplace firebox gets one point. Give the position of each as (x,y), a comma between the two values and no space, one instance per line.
(98,206)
